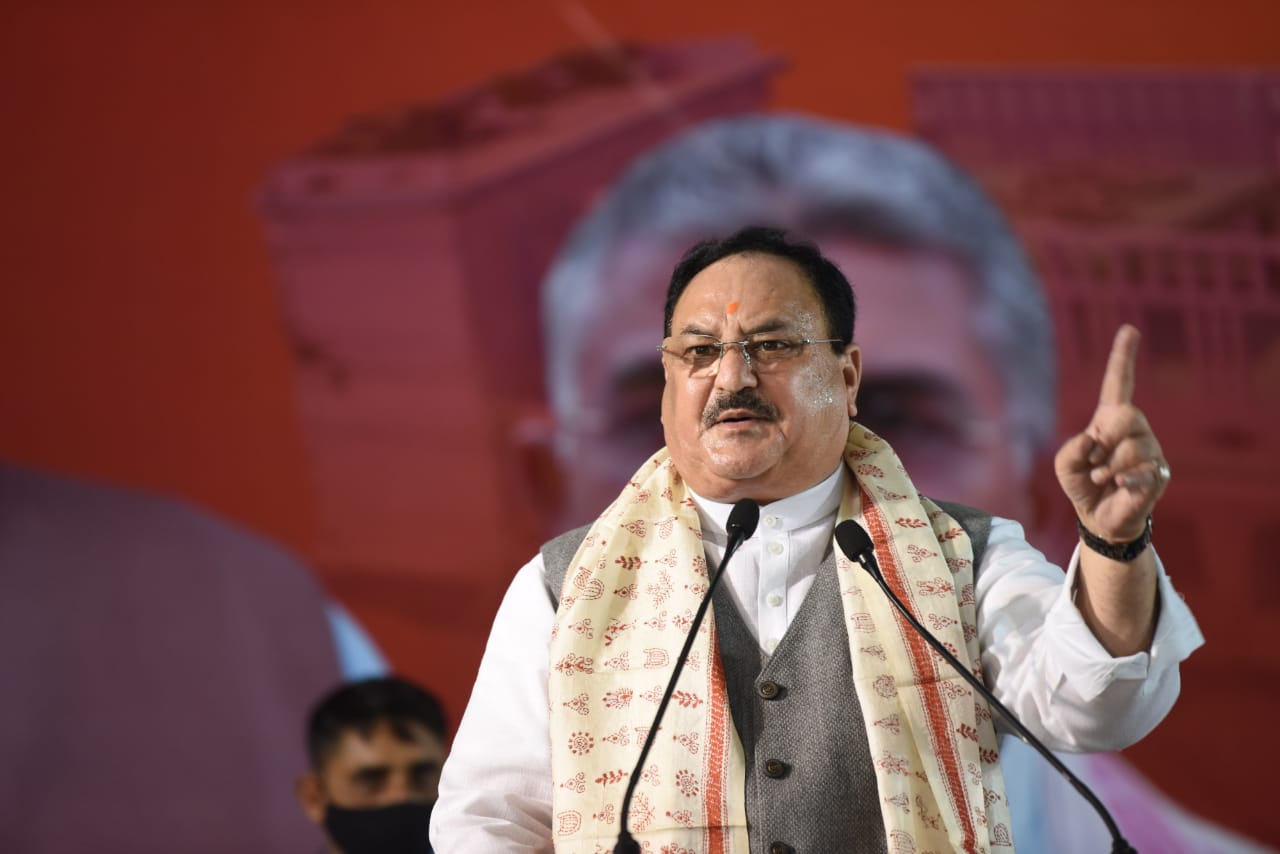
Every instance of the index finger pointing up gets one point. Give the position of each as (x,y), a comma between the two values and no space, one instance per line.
(1117,381)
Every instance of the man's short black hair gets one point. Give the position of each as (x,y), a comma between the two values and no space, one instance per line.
(830,285)
(362,706)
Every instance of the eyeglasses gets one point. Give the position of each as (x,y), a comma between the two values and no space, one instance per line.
(701,353)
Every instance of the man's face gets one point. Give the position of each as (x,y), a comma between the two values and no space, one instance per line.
(928,385)
(376,771)
(747,430)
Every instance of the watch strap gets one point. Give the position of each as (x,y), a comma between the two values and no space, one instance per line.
(1123,552)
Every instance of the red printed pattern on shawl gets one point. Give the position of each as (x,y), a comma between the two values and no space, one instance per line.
(719,740)
(941,730)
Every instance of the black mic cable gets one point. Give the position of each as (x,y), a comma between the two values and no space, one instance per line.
(857,546)
(743,519)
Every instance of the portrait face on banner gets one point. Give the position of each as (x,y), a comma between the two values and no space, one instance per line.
(929,384)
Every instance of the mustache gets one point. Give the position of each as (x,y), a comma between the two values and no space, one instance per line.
(742,399)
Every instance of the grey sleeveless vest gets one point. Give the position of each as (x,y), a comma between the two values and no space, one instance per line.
(792,708)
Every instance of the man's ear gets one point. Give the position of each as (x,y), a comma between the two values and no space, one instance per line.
(537,482)
(852,376)
(310,796)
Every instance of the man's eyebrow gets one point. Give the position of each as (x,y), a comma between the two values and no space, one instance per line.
(694,329)
(772,325)
(767,326)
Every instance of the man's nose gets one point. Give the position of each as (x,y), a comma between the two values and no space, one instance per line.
(398,790)
(734,369)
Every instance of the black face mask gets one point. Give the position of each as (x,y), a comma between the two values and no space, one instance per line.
(397,829)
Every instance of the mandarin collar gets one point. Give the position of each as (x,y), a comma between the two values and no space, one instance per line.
(792,512)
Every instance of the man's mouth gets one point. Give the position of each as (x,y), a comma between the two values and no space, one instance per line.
(737,417)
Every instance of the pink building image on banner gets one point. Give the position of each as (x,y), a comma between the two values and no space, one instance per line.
(1154,197)
(408,251)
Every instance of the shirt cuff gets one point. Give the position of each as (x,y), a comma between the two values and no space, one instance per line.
(1092,669)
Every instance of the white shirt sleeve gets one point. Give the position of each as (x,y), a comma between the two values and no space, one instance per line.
(1044,663)
(495,788)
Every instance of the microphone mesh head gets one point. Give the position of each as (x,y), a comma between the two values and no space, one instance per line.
(744,517)
(853,540)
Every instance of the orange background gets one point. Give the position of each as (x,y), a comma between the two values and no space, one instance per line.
(139,337)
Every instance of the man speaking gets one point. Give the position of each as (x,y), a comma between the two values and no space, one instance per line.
(808,719)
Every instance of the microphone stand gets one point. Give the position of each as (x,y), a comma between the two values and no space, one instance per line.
(857,546)
(743,519)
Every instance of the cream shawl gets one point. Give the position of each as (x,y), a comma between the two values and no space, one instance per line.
(627,603)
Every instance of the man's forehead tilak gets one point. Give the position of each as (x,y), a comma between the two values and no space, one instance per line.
(794,310)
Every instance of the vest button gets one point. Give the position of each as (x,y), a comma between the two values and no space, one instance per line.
(770,690)
(776,768)
(781,848)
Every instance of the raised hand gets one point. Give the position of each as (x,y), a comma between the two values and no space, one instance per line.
(1114,472)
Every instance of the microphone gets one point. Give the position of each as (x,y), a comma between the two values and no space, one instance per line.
(856,545)
(743,519)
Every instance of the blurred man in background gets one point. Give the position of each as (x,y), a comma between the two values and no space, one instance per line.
(376,748)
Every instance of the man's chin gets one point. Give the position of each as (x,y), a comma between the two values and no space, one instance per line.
(731,475)
(739,446)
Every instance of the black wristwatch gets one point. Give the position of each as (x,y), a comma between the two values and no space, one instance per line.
(1123,552)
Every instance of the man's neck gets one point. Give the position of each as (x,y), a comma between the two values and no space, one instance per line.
(807,505)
